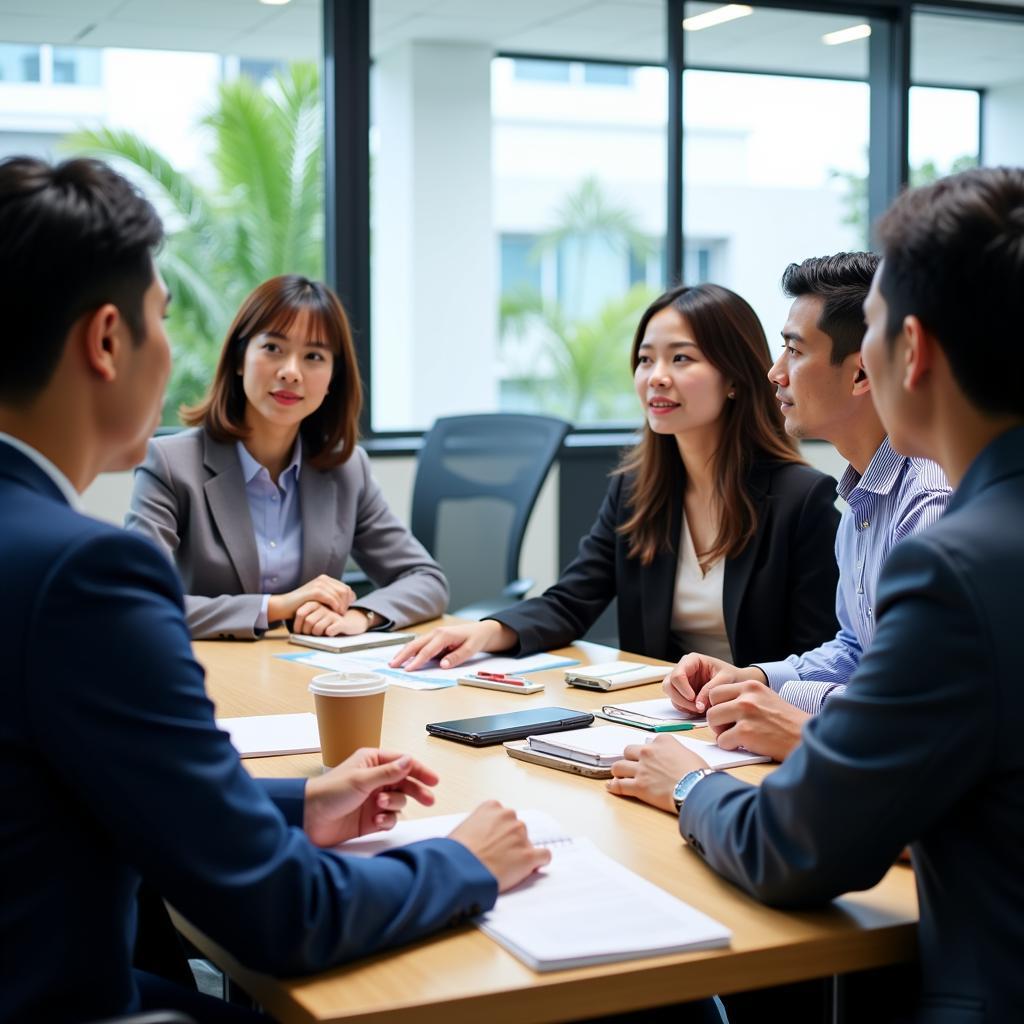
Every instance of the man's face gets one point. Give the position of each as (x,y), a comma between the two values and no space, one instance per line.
(133,410)
(814,394)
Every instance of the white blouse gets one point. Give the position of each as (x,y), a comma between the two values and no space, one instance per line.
(698,619)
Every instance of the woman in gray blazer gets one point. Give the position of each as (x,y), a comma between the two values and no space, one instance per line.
(262,504)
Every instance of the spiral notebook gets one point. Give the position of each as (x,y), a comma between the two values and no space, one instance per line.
(581,909)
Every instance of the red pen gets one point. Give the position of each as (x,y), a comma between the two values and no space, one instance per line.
(500,677)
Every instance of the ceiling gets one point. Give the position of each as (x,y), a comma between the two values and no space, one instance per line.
(948,49)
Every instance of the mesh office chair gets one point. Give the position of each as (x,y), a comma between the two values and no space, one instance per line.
(477,480)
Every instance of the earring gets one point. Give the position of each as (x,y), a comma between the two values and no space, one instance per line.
(732,394)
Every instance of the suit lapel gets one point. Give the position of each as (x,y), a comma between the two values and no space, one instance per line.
(658,589)
(738,570)
(229,509)
(319,495)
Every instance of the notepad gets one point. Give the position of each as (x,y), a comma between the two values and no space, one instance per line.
(615,675)
(601,745)
(581,909)
(359,642)
(268,735)
(659,715)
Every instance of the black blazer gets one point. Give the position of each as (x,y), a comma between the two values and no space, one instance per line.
(924,747)
(779,593)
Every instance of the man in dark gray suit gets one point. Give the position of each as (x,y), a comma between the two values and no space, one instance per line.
(925,746)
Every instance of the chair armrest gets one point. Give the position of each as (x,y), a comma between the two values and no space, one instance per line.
(151,1017)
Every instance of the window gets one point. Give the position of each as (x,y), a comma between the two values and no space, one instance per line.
(19,63)
(775,160)
(541,70)
(76,65)
(968,100)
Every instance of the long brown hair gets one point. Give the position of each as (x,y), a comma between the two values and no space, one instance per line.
(329,434)
(732,340)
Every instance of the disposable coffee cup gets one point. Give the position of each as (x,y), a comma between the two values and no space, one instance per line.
(349,712)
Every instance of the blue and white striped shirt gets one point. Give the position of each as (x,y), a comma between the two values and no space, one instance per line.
(895,498)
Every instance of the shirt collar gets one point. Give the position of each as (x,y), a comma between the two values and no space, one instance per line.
(251,468)
(62,482)
(879,478)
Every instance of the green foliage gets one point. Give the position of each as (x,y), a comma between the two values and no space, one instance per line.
(262,216)
(586,355)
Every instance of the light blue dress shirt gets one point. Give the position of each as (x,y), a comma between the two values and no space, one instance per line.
(895,498)
(276,513)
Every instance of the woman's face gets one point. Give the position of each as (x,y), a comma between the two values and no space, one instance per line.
(286,373)
(680,391)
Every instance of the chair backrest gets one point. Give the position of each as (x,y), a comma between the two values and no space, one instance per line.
(477,480)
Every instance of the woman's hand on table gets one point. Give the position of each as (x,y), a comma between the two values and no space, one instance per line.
(499,840)
(319,620)
(690,684)
(363,794)
(454,644)
(323,590)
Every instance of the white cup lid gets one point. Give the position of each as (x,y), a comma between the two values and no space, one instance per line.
(348,684)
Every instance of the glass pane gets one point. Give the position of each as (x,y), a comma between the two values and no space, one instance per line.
(19,63)
(518,209)
(239,129)
(978,60)
(775,160)
(76,65)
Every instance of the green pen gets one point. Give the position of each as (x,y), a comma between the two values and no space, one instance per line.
(671,727)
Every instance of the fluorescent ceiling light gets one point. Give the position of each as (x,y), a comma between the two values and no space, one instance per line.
(275,3)
(846,35)
(717,16)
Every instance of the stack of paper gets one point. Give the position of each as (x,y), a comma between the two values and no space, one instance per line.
(267,735)
(583,908)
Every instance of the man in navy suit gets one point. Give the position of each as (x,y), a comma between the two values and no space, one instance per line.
(924,748)
(112,766)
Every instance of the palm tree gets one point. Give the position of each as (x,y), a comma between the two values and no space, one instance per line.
(263,216)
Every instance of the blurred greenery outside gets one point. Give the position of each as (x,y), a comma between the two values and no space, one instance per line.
(261,214)
(855,199)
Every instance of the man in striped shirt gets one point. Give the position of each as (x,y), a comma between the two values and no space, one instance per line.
(825,394)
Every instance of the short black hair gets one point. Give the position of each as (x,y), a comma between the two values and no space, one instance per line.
(842,282)
(75,236)
(954,258)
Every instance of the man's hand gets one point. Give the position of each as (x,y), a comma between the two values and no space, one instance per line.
(650,771)
(454,644)
(365,793)
(319,620)
(690,683)
(498,839)
(324,590)
(749,715)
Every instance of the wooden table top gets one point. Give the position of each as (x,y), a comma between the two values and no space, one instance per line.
(462,976)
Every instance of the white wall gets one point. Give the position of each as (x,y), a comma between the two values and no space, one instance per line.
(1002,130)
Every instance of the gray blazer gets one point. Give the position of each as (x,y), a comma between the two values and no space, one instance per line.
(189,498)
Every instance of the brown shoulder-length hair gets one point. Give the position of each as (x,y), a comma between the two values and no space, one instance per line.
(732,339)
(330,433)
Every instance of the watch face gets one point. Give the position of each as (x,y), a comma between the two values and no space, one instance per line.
(685,784)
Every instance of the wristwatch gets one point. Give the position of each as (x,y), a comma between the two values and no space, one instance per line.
(686,784)
(371,617)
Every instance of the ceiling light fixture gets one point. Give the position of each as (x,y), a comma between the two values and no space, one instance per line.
(275,3)
(846,35)
(717,16)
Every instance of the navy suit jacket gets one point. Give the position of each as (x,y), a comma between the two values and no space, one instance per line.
(111,768)
(923,748)
(778,596)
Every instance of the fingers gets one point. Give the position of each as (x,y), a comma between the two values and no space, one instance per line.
(417,769)
(624,769)
(540,855)
(298,626)
(434,647)
(405,652)
(621,786)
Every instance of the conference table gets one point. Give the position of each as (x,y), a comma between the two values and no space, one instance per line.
(461,975)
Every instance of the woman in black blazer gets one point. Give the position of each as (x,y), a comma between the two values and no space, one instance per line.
(714,535)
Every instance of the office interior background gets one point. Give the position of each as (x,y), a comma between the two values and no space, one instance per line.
(498,189)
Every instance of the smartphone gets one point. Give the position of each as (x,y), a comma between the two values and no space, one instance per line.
(487,730)
(522,751)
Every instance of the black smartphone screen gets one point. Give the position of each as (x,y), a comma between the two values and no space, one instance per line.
(514,725)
